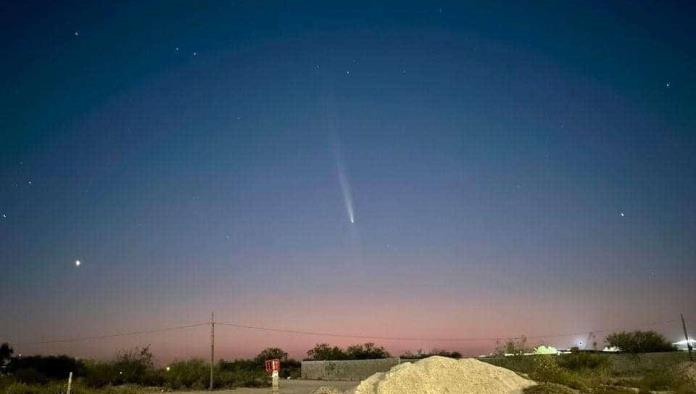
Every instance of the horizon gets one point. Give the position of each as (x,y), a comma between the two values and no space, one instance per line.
(395,170)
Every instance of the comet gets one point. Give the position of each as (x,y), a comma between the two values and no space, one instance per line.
(345,190)
(343,180)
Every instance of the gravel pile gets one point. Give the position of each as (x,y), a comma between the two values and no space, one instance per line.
(437,375)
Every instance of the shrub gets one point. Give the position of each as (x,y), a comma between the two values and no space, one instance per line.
(271,353)
(322,351)
(99,374)
(580,361)
(291,368)
(435,352)
(640,342)
(546,369)
(133,366)
(366,351)
(41,369)
(514,346)
(242,373)
(193,374)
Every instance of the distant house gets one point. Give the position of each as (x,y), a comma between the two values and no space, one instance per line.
(681,345)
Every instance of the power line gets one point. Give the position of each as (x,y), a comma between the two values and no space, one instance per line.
(335,335)
(424,339)
(120,334)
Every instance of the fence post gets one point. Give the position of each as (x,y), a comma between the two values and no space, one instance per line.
(69,382)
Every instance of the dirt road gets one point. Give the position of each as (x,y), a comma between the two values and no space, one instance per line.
(286,387)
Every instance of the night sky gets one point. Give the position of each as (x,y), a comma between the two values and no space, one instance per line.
(410,169)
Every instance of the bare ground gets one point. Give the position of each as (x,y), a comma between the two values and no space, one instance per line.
(286,387)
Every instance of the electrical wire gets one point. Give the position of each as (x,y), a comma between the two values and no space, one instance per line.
(121,334)
(334,335)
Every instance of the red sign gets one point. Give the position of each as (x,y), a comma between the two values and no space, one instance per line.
(272,365)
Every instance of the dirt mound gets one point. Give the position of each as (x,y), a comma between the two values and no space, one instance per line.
(436,375)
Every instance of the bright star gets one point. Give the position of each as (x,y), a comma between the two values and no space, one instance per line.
(668,84)
(622,214)
(77,263)
(77,33)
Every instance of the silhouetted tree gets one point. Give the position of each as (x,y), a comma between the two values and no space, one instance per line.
(323,351)
(366,351)
(40,369)
(5,355)
(271,353)
(134,365)
(640,342)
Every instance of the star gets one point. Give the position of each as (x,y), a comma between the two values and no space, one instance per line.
(195,54)
(77,263)
(29,182)
(621,214)
(347,72)
(4,216)
(668,84)
(77,33)
(176,49)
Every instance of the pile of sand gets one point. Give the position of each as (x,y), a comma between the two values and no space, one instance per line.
(436,375)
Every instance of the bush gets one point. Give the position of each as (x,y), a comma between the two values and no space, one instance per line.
(435,352)
(291,368)
(100,374)
(640,342)
(30,376)
(41,369)
(546,369)
(580,361)
(323,351)
(514,346)
(193,374)
(366,351)
(242,373)
(133,366)
(270,354)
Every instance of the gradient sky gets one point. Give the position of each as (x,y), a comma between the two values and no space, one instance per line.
(513,168)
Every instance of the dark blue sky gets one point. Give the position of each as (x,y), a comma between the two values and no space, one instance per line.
(512,168)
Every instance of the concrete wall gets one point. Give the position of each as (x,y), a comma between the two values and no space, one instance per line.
(345,369)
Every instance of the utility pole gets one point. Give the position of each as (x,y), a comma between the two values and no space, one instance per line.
(212,347)
(686,335)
